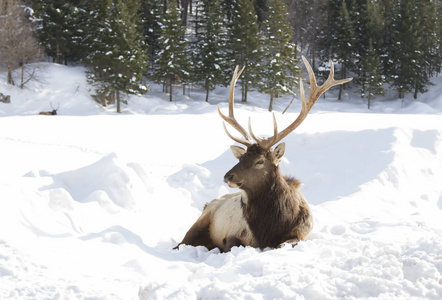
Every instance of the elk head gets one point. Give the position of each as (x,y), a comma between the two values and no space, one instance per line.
(258,162)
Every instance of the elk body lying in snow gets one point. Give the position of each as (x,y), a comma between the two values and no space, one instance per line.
(50,113)
(270,209)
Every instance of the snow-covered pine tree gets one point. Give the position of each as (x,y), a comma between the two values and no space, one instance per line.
(370,68)
(279,70)
(345,42)
(173,58)
(244,44)
(151,12)
(403,65)
(209,45)
(313,23)
(436,68)
(118,56)
(427,56)
(58,28)
(371,84)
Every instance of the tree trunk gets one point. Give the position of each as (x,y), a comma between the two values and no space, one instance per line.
(245,92)
(170,90)
(117,93)
(271,102)
(58,56)
(207,90)
(22,75)
(341,86)
(401,94)
(10,81)
(184,10)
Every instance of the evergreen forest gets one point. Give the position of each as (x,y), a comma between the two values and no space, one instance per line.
(382,44)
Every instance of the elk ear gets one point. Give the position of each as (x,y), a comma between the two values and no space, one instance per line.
(237,151)
(278,153)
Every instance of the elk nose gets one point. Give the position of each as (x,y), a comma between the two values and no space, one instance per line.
(228,178)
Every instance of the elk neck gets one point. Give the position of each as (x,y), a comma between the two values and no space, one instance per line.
(270,210)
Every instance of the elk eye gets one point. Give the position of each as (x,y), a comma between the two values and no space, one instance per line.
(260,162)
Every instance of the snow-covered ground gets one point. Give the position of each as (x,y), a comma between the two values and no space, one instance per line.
(92,203)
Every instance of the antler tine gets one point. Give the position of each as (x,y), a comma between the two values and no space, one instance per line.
(261,141)
(315,92)
(257,139)
(235,77)
(247,141)
(238,140)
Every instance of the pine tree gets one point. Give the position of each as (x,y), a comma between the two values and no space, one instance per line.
(244,44)
(173,59)
(322,27)
(279,64)
(436,68)
(57,28)
(402,51)
(305,17)
(370,72)
(228,8)
(373,81)
(345,45)
(209,62)
(261,8)
(151,12)
(118,58)
(426,54)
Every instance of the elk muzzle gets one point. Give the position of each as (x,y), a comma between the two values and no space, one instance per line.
(232,180)
(228,178)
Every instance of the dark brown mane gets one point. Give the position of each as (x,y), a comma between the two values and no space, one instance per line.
(271,211)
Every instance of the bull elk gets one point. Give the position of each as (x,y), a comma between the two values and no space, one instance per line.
(50,113)
(270,209)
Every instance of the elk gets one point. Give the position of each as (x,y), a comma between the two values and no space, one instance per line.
(50,113)
(270,209)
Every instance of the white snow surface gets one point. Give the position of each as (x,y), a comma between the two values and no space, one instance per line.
(92,202)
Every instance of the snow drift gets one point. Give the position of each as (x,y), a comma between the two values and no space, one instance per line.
(91,203)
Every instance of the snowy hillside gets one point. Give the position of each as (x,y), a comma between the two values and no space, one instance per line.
(92,203)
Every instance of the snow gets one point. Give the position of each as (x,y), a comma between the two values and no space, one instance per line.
(92,203)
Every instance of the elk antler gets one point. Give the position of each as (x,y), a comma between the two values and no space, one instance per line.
(315,92)
(247,140)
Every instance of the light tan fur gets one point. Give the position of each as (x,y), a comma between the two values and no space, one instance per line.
(228,221)
(221,225)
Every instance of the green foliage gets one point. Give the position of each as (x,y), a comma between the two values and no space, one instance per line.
(372,81)
(151,14)
(209,46)
(118,58)
(173,58)
(378,42)
(410,49)
(345,37)
(58,28)
(278,67)
(369,69)
(244,44)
